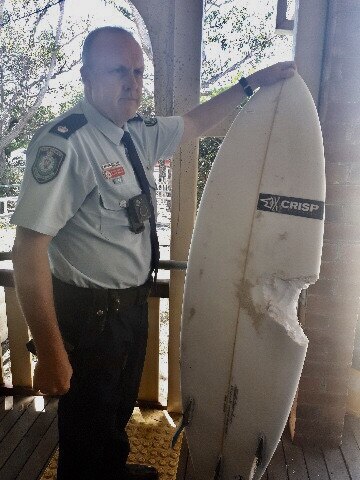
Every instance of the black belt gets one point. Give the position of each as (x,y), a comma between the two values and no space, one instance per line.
(103,299)
(128,297)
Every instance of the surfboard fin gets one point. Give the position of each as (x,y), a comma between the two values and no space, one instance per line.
(259,456)
(218,469)
(185,420)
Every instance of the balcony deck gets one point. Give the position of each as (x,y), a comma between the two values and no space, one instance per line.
(28,439)
(28,436)
(291,462)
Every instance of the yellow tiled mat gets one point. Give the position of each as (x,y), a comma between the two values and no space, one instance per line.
(150,433)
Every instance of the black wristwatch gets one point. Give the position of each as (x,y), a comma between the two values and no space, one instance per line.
(246,87)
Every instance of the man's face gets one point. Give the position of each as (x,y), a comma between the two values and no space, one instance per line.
(113,79)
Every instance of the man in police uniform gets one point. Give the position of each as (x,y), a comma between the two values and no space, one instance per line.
(82,262)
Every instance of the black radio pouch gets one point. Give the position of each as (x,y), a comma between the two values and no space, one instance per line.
(139,211)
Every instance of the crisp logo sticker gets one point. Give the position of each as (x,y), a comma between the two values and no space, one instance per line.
(299,207)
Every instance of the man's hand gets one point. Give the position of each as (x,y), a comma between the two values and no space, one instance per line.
(52,377)
(34,289)
(272,74)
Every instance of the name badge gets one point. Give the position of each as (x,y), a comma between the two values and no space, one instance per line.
(113,171)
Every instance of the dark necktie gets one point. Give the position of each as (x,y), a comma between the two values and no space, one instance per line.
(144,185)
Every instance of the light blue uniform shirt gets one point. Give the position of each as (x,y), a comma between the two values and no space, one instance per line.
(76,190)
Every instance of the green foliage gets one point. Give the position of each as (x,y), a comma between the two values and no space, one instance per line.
(28,47)
(30,43)
(26,50)
(72,97)
(12,175)
(12,172)
(43,114)
(208,149)
(147,107)
(234,41)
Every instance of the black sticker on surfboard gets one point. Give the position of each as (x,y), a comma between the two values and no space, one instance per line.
(300,207)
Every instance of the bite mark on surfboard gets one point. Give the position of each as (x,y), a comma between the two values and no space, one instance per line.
(276,299)
(283,295)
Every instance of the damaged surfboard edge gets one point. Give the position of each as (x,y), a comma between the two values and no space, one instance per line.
(278,299)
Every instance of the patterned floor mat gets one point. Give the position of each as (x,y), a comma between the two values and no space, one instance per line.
(150,433)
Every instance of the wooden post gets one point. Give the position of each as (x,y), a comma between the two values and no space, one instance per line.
(182,222)
(177,60)
(1,367)
(149,388)
(187,54)
(21,366)
(310,38)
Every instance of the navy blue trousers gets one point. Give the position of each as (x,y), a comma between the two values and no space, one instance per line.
(107,357)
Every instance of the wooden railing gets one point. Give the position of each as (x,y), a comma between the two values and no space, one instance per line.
(7,205)
(21,359)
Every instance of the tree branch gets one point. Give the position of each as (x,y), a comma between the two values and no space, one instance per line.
(65,68)
(35,12)
(219,75)
(2,4)
(214,3)
(142,31)
(73,38)
(207,83)
(7,139)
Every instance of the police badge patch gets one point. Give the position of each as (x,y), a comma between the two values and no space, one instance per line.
(47,164)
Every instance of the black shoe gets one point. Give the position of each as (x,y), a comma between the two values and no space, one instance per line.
(136,471)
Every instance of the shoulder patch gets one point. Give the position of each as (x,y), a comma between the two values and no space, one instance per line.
(150,121)
(68,125)
(47,164)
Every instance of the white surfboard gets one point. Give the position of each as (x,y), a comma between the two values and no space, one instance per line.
(257,242)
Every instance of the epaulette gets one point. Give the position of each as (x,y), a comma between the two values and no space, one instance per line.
(137,118)
(68,125)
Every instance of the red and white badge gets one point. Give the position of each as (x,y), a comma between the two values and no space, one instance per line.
(113,171)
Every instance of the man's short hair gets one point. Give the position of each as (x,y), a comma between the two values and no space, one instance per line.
(89,40)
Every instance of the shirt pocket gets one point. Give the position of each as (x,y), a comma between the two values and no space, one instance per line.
(113,214)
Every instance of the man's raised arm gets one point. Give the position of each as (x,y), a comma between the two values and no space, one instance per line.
(34,289)
(208,114)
